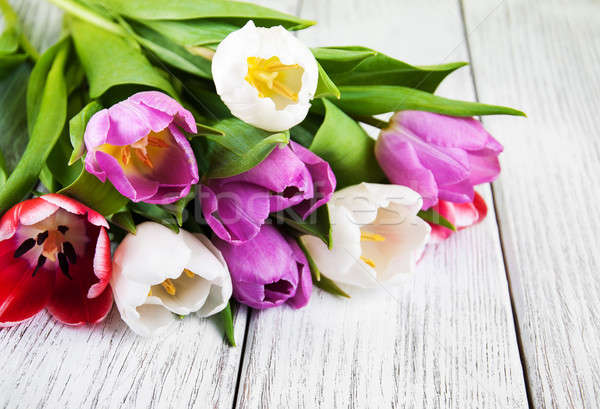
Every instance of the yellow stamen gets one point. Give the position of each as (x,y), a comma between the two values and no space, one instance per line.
(189,273)
(368,261)
(143,156)
(169,286)
(266,76)
(157,142)
(125,154)
(368,236)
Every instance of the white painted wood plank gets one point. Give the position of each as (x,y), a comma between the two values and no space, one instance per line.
(46,364)
(447,339)
(543,56)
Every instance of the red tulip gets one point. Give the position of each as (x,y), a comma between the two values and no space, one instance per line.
(461,215)
(54,253)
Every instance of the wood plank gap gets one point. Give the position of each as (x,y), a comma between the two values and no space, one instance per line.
(500,237)
(242,357)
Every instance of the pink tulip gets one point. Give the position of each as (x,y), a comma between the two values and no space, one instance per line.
(138,145)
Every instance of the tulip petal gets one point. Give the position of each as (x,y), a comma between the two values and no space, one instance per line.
(443,130)
(402,166)
(235,211)
(305,284)
(135,187)
(25,213)
(102,264)
(283,173)
(263,270)
(165,104)
(131,121)
(70,302)
(22,295)
(484,169)
(75,207)
(322,176)
(461,215)
(461,192)
(96,130)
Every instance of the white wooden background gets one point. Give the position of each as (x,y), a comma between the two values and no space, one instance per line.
(504,315)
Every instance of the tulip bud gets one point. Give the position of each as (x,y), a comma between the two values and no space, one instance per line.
(268,270)
(439,156)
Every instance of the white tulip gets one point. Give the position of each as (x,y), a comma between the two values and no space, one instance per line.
(158,273)
(265,76)
(377,236)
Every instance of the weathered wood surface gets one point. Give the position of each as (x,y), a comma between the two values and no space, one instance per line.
(447,339)
(543,56)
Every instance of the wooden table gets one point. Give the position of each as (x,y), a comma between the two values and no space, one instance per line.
(504,315)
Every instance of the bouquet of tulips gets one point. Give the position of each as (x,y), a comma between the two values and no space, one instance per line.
(184,153)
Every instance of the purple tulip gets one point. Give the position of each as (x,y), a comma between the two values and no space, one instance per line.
(268,270)
(439,156)
(291,176)
(138,145)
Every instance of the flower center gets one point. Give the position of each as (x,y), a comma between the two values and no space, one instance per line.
(275,80)
(169,285)
(59,238)
(374,237)
(142,153)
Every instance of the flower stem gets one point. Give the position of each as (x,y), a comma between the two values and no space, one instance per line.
(88,15)
(370,120)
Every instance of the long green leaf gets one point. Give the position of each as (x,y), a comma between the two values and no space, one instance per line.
(3,172)
(325,86)
(109,60)
(227,10)
(8,63)
(155,213)
(317,224)
(363,66)
(346,146)
(102,197)
(431,216)
(171,52)
(191,32)
(227,317)
(241,147)
(380,99)
(48,122)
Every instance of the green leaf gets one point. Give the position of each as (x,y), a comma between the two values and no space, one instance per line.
(13,116)
(325,86)
(155,213)
(123,220)
(77,126)
(230,11)
(102,197)
(380,99)
(177,208)
(9,62)
(350,151)
(431,216)
(191,32)
(319,280)
(3,172)
(241,147)
(109,60)
(317,224)
(363,66)
(48,120)
(170,52)
(228,324)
